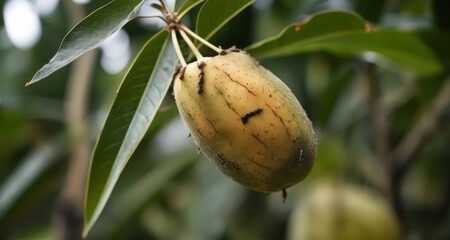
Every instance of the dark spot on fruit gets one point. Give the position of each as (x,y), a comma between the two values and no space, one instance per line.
(231,49)
(179,70)
(250,114)
(230,168)
(201,77)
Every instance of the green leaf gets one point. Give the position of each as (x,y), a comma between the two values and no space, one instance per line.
(330,96)
(134,108)
(214,14)
(131,115)
(218,199)
(141,192)
(438,41)
(30,169)
(188,5)
(89,34)
(321,26)
(346,33)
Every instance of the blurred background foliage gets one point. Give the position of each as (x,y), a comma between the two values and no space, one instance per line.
(168,191)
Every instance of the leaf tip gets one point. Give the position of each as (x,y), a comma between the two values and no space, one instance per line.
(33,80)
(85,233)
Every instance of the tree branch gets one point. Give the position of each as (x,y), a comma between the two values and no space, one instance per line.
(416,140)
(378,115)
(412,145)
(68,218)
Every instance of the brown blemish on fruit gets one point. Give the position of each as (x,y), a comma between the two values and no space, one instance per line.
(280,118)
(231,168)
(200,133)
(250,114)
(179,70)
(212,125)
(201,77)
(234,81)
(226,101)
(259,164)
(182,71)
(259,140)
(229,50)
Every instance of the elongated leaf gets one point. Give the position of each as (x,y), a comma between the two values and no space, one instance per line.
(30,169)
(214,14)
(321,26)
(140,193)
(89,34)
(130,116)
(438,41)
(346,33)
(188,5)
(134,108)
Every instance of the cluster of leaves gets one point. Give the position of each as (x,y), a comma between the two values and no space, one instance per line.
(339,36)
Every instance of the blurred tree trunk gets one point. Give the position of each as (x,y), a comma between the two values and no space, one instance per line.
(68,216)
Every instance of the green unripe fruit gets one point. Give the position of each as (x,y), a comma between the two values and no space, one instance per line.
(340,211)
(246,120)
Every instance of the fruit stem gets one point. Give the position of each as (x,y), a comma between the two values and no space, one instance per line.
(191,45)
(177,48)
(202,40)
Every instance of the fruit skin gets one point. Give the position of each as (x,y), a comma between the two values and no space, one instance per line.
(246,120)
(338,210)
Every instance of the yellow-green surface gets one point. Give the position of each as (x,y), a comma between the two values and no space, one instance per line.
(247,121)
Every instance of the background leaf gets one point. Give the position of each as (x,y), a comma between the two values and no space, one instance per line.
(346,33)
(331,86)
(89,34)
(332,81)
(31,168)
(140,193)
(214,14)
(212,204)
(134,108)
